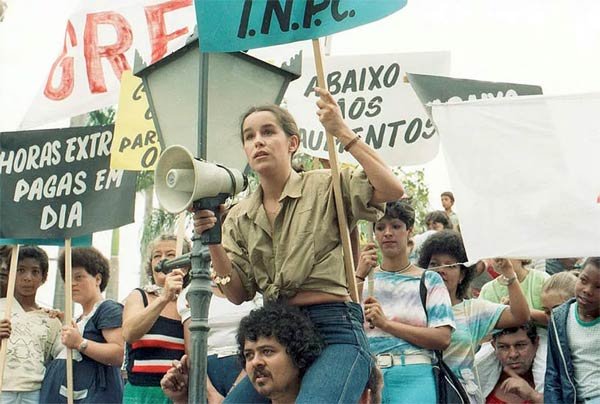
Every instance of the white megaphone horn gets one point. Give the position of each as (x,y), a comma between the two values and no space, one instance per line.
(180,179)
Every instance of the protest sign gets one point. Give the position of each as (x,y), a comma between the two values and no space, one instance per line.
(228,26)
(136,145)
(375,102)
(438,89)
(525,172)
(57,183)
(83,241)
(100,41)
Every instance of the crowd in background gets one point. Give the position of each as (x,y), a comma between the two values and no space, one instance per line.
(283,326)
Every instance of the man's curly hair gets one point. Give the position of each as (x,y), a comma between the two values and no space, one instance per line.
(288,326)
(448,242)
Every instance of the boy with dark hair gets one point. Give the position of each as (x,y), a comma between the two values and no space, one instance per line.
(447,202)
(572,370)
(33,337)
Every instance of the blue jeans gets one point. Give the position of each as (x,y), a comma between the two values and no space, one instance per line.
(223,372)
(341,372)
(20,397)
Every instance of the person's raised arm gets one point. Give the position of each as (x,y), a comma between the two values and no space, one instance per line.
(386,187)
(518,312)
(230,284)
(137,319)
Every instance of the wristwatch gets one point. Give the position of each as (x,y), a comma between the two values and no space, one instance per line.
(83,346)
(504,281)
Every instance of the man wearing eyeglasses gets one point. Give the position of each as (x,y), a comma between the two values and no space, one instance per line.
(515,349)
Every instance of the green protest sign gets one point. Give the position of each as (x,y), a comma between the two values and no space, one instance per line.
(57,184)
(83,241)
(235,25)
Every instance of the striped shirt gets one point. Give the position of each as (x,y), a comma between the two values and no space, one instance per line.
(150,357)
(401,301)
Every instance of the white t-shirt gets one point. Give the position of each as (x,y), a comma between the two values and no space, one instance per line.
(223,320)
(33,342)
(583,338)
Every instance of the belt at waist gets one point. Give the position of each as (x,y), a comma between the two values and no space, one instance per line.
(387,360)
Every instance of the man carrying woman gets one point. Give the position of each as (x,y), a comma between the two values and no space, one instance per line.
(283,241)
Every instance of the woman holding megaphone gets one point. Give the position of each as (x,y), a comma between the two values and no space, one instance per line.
(283,241)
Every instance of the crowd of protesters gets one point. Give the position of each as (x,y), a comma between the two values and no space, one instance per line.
(283,325)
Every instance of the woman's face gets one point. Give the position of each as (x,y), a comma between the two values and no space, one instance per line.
(85,285)
(550,300)
(164,249)
(451,274)
(267,147)
(587,289)
(392,237)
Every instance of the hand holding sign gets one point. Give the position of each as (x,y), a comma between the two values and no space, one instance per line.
(330,115)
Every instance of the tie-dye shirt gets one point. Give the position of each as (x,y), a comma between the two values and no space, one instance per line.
(475,319)
(401,301)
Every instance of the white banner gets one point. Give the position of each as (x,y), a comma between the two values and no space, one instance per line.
(526,173)
(100,41)
(376,103)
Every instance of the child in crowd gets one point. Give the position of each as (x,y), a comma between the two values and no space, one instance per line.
(33,337)
(558,289)
(572,371)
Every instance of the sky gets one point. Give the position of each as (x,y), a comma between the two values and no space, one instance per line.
(552,43)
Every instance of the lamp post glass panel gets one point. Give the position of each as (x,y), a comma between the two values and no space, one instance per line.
(196,99)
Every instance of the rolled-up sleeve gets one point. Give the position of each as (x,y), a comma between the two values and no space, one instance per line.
(357,192)
(234,244)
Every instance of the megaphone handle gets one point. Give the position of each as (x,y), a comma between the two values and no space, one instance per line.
(212,236)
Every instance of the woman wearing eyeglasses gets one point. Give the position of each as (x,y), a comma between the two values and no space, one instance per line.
(475,319)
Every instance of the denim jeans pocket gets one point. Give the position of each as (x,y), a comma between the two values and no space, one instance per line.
(338,323)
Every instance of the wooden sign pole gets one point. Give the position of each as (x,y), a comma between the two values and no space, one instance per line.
(337,187)
(69,315)
(10,298)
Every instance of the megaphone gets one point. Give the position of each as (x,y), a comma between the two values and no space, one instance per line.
(180,179)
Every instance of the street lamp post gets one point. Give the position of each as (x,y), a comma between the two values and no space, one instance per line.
(191,95)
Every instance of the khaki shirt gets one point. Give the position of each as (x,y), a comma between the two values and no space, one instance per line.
(303,250)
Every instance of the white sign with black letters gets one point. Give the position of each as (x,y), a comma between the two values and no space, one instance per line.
(375,101)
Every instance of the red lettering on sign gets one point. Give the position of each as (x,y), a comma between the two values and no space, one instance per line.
(114,53)
(155,16)
(65,87)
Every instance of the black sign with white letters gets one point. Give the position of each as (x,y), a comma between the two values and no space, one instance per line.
(57,183)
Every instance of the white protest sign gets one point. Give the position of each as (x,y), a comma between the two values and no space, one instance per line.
(100,41)
(375,102)
(526,172)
